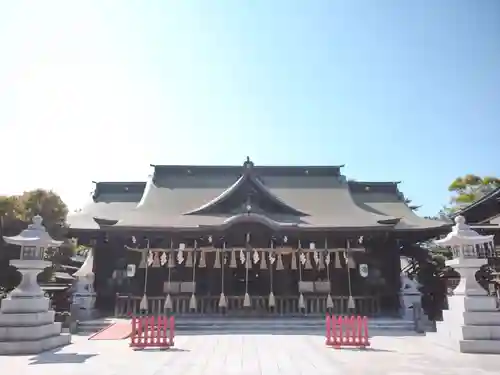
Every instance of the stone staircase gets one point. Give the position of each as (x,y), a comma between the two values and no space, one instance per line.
(27,326)
(472,322)
(186,325)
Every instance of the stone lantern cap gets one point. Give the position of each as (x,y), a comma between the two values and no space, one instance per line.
(35,235)
(461,234)
(467,243)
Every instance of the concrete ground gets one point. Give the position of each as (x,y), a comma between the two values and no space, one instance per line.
(254,355)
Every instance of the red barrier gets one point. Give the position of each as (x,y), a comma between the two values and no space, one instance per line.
(152,332)
(347,331)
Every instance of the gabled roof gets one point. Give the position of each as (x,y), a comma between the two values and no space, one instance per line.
(183,197)
(310,197)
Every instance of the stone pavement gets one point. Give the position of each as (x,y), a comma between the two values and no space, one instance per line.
(254,355)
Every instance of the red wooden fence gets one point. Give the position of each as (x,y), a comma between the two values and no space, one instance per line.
(347,331)
(152,332)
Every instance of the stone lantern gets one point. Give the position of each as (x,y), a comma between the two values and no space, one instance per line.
(26,324)
(472,322)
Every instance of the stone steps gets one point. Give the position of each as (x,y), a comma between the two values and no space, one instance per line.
(480,346)
(31,346)
(482,332)
(221,325)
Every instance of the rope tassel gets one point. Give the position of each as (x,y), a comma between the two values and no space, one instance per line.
(142,264)
(321,261)
(217,259)
(329,301)
(308,264)
(189,259)
(168,303)
(202,263)
(246,259)
(192,302)
(171,260)
(232,263)
(294,260)
(337,260)
(222,299)
(279,265)
(156,259)
(351,263)
(272,300)
(263,264)
(302,304)
(144,303)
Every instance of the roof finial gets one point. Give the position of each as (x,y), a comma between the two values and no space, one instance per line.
(248,163)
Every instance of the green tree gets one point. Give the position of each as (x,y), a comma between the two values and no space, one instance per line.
(470,188)
(47,204)
(16,212)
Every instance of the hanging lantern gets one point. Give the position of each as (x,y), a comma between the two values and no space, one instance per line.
(130,270)
(363,270)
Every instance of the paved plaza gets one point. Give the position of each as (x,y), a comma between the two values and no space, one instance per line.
(254,355)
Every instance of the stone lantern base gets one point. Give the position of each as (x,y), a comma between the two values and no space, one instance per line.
(472,322)
(26,322)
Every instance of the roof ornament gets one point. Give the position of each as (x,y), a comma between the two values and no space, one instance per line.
(248,164)
(248,204)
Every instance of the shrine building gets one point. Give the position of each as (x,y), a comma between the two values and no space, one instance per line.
(249,239)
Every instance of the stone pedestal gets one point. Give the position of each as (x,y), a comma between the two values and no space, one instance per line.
(84,299)
(26,324)
(472,322)
(409,295)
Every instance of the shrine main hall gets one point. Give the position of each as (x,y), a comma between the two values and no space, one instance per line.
(249,239)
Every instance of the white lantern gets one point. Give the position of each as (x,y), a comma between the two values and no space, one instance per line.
(130,270)
(182,246)
(363,270)
(312,246)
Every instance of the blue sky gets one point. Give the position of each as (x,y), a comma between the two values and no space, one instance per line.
(395,90)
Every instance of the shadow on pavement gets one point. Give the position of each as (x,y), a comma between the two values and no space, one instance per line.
(52,357)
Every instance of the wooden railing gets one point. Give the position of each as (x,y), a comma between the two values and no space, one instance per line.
(127,305)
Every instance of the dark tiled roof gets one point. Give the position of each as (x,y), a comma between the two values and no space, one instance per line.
(186,197)
(385,199)
(109,201)
(492,198)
